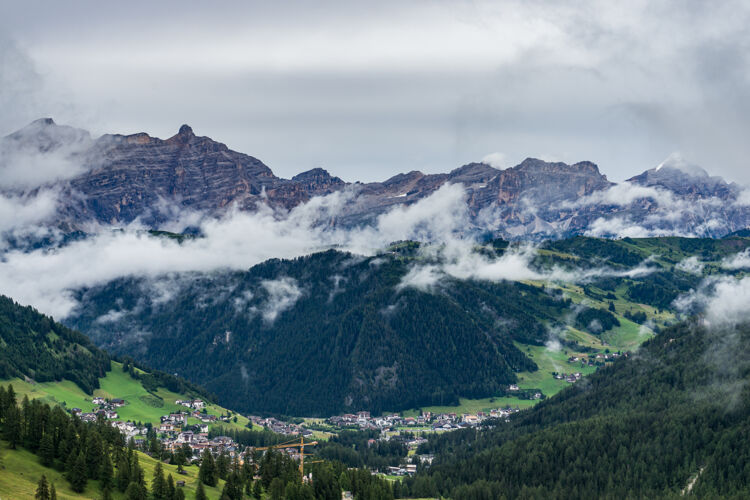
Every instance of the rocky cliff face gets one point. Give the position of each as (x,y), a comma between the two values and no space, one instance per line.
(140,176)
(118,179)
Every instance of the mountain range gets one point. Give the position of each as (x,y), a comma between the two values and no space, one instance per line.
(116,179)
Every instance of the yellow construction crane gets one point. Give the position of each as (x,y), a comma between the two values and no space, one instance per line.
(294,443)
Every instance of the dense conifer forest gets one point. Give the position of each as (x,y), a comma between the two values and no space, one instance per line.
(34,345)
(673,418)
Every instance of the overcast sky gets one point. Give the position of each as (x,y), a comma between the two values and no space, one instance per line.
(370,89)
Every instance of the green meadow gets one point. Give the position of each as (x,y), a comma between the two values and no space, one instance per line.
(142,405)
(20,471)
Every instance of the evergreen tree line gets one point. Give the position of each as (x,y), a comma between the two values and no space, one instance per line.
(354,449)
(36,346)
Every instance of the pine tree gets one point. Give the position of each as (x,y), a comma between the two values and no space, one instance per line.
(233,487)
(276,489)
(159,484)
(207,472)
(345,483)
(78,476)
(106,474)
(69,441)
(70,464)
(52,492)
(12,425)
(222,465)
(133,492)
(47,450)
(94,454)
(2,402)
(10,398)
(42,489)
(178,495)
(200,493)
(170,487)
(136,473)
(257,490)
(123,473)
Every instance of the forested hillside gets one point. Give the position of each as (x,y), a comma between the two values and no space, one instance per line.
(35,346)
(341,336)
(47,361)
(674,418)
(337,332)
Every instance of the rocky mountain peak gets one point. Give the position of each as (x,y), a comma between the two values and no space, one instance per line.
(474,170)
(42,122)
(682,177)
(319,175)
(537,165)
(587,166)
(183,136)
(676,163)
(186,131)
(44,135)
(318,181)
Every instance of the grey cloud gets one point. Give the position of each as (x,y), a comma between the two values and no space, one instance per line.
(368,90)
(283,293)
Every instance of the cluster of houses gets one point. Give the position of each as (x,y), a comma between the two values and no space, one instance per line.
(174,432)
(406,470)
(435,421)
(198,442)
(105,407)
(279,426)
(453,421)
(195,404)
(569,377)
(598,359)
(129,429)
(363,420)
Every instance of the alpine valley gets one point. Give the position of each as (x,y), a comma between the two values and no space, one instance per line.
(179,322)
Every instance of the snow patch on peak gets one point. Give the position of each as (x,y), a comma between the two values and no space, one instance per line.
(676,161)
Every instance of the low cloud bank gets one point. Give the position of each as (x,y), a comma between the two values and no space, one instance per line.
(691,265)
(739,260)
(45,278)
(23,213)
(722,301)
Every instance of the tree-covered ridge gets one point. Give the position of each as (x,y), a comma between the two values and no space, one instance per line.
(35,346)
(269,338)
(350,330)
(39,349)
(675,414)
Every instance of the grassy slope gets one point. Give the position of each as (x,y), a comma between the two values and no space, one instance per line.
(20,471)
(628,336)
(142,406)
